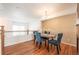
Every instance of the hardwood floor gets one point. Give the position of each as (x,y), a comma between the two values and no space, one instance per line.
(29,48)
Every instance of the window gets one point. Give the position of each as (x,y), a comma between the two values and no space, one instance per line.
(18,28)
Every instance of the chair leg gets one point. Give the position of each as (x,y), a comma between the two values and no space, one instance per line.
(54,46)
(51,45)
(60,47)
(48,47)
(34,41)
(57,50)
(36,44)
(40,45)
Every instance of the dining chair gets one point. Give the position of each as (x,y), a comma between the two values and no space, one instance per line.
(46,32)
(34,35)
(38,39)
(56,42)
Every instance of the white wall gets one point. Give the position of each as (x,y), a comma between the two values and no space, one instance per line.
(35,25)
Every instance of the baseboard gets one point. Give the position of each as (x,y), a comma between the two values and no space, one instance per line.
(69,44)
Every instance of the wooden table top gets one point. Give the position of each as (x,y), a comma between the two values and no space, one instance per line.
(48,35)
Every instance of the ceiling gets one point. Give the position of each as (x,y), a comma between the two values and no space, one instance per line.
(35,10)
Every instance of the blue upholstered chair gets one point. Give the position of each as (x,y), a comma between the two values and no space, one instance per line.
(38,39)
(34,35)
(43,38)
(56,42)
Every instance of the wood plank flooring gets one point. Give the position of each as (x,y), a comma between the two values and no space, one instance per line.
(29,48)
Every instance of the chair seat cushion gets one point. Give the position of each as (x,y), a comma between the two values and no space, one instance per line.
(53,42)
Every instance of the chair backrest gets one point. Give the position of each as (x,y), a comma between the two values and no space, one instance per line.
(46,32)
(59,37)
(38,37)
(34,34)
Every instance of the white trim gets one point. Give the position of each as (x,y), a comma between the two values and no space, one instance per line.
(69,44)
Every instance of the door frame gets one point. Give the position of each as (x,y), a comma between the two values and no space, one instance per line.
(2,40)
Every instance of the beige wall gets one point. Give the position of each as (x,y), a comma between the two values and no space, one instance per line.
(78,10)
(65,24)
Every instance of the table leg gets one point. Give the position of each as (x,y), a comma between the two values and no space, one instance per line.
(45,43)
(48,46)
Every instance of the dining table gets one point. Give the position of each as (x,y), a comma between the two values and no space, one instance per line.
(47,37)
